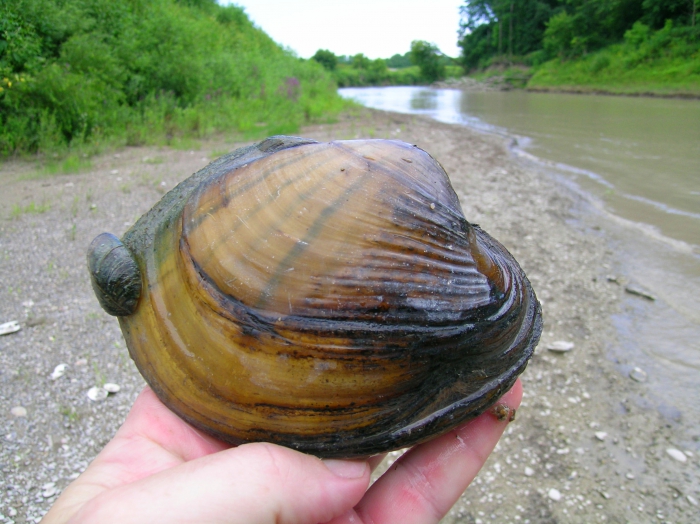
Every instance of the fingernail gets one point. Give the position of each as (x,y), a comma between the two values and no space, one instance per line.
(347,469)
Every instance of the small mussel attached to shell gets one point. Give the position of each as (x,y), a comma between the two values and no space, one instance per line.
(331,298)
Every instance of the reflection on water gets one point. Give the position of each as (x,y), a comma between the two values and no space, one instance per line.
(641,157)
(424,100)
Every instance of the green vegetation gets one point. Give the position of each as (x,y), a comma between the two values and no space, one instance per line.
(31,208)
(427,57)
(399,61)
(76,75)
(424,64)
(618,46)
(666,61)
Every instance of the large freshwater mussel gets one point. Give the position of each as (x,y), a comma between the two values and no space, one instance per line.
(328,297)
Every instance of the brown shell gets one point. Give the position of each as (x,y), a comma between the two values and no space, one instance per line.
(327,297)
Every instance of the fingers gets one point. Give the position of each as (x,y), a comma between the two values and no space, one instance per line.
(151,440)
(422,486)
(149,418)
(254,483)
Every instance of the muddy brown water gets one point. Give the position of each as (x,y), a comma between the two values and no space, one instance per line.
(635,160)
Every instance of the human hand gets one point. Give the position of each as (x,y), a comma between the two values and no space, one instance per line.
(160,469)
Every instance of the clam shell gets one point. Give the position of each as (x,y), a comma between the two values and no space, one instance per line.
(327,297)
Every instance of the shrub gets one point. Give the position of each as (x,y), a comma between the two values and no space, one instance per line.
(81,72)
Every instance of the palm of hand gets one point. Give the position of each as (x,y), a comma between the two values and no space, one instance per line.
(160,469)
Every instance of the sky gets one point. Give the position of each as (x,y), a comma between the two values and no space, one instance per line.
(376,28)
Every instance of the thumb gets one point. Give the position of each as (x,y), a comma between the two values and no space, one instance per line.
(253,483)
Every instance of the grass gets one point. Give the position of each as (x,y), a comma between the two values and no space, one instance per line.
(71,164)
(666,76)
(30,209)
(99,375)
(153,160)
(69,412)
(75,206)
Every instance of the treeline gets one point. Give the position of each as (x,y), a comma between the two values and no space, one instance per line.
(91,72)
(423,64)
(535,31)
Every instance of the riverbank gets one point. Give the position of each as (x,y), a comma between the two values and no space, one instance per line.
(588,445)
(523,79)
(672,79)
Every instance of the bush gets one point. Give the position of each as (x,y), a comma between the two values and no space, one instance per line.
(637,35)
(81,72)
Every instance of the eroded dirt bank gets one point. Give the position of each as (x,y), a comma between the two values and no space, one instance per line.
(585,447)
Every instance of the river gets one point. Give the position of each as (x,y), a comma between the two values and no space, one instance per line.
(638,160)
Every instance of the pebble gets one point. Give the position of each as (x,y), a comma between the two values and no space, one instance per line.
(560,346)
(529,472)
(554,494)
(9,327)
(59,371)
(110,387)
(692,500)
(96,394)
(676,454)
(600,435)
(49,490)
(638,374)
(19,411)
(629,476)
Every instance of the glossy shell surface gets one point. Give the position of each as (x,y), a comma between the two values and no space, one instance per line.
(327,297)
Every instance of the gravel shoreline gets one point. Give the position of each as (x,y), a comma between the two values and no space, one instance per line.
(586,446)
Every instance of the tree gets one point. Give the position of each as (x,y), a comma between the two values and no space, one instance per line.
(326,58)
(559,35)
(656,12)
(399,61)
(493,29)
(360,61)
(427,57)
